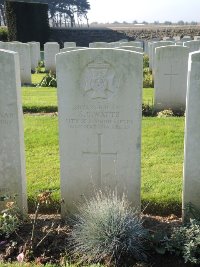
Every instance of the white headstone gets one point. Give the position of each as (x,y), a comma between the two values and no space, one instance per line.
(67,49)
(24,59)
(69,44)
(170,77)
(196,38)
(153,49)
(135,43)
(191,177)
(98,45)
(35,54)
(99,103)
(12,159)
(131,48)
(186,38)
(192,45)
(50,51)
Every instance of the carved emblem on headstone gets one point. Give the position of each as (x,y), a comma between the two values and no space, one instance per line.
(99,80)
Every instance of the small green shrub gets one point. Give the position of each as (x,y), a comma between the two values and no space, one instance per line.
(148,81)
(107,229)
(48,81)
(10,219)
(3,34)
(147,110)
(145,61)
(185,241)
(40,67)
(165,113)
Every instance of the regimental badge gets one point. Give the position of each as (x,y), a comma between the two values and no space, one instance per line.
(99,80)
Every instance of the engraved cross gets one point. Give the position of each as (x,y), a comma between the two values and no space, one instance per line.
(99,155)
(171,75)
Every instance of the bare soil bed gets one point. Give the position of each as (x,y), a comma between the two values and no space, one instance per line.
(52,249)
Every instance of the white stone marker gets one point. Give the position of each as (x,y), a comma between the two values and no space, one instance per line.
(12,159)
(153,50)
(135,43)
(131,48)
(50,51)
(35,54)
(99,107)
(24,59)
(67,49)
(170,77)
(191,177)
(186,38)
(196,38)
(69,44)
(192,45)
(98,45)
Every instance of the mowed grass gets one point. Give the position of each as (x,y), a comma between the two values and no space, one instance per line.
(42,156)
(148,96)
(39,99)
(162,159)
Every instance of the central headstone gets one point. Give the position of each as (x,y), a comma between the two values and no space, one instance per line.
(99,97)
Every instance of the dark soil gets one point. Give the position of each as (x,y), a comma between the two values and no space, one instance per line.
(52,249)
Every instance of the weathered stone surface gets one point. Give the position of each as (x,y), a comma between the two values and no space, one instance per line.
(191,177)
(69,44)
(98,45)
(170,77)
(192,45)
(12,159)
(99,106)
(35,54)
(131,48)
(50,51)
(24,59)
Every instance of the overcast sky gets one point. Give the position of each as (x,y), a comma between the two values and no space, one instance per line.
(144,10)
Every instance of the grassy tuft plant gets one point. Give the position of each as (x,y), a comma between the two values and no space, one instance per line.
(165,113)
(107,229)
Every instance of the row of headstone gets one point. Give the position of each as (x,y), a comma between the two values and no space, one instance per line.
(29,56)
(103,135)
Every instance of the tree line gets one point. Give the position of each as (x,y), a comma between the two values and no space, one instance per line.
(67,13)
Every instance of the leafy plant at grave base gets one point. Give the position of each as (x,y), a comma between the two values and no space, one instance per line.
(40,67)
(147,110)
(147,78)
(107,230)
(145,61)
(10,218)
(48,81)
(165,113)
(3,34)
(185,241)
(30,245)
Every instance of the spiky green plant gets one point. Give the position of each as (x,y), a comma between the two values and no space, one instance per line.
(106,228)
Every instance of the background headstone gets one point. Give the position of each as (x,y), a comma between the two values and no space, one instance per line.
(12,159)
(50,51)
(35,54)
(99,103)
(170,77)
(192,45)
(69,44)
(24,60)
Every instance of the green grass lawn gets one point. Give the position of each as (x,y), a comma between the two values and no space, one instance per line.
(148,96)
(162,158)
